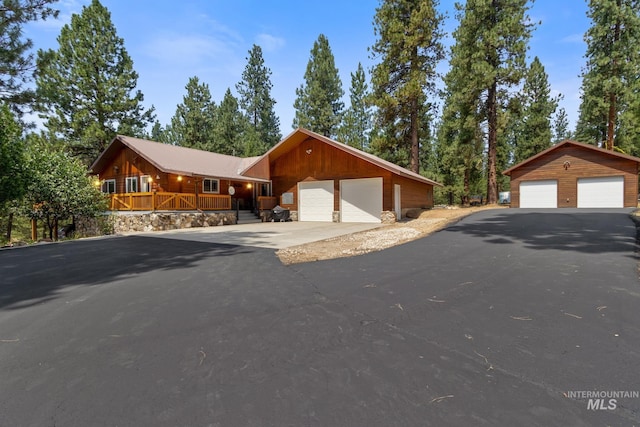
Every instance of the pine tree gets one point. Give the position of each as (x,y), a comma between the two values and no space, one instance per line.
(255,98)
(492,40)
(16,61)
(193,124)
(318,105)
(230,124)
(356,123)
(561,126)
(538,108)
(610,83)
(86,88)
(409,46)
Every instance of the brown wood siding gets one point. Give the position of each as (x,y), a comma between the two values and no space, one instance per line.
(259,170)
(582,163)
(314,160)
(128,163)
(414,194)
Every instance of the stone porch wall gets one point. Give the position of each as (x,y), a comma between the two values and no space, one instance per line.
(125,222)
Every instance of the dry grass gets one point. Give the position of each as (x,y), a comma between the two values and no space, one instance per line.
(379,238)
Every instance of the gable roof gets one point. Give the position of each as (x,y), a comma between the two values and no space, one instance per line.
(178,160)
(574,143)
(300,135)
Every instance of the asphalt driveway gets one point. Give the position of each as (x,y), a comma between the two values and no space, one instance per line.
(502,319)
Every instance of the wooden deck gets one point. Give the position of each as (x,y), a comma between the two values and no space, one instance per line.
(157,201)
(161,201)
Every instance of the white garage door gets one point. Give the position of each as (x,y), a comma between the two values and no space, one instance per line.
(361,200)
(601,192)
(316,201)
(539,194)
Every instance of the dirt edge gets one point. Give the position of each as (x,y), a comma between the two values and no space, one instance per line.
(378,239)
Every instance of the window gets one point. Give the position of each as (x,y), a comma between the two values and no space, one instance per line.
(108,186)
(210,185)
(132,184)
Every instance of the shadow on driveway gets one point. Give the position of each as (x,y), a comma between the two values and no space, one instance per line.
(565,229)
(34,275)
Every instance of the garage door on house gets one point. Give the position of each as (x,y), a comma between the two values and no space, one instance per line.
(539,194)
(315,201)
(361,200)
(601,192)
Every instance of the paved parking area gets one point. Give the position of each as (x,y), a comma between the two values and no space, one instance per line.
(503,319)
(274,235)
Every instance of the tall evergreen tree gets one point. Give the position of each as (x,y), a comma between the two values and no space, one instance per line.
(492,40)
(409,46)
(318,104)
(356,123)
(610,83)
(230,124)
(16,61)
(194,122)
(561,126)
(255,98)
(13,166)
(538,108)
(86,89)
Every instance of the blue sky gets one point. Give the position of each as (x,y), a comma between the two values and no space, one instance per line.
(173,41)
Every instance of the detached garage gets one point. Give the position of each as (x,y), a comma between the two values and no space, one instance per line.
(319,179)
(572,174)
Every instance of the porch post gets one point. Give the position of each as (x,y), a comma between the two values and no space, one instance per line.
(195,187)
(34,229)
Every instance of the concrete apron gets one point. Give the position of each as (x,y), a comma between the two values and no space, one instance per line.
(275,235)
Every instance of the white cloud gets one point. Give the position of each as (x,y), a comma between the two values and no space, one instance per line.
(269,43)
(186,50)
(66,8)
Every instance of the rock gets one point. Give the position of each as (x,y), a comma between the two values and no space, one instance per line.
(413,213)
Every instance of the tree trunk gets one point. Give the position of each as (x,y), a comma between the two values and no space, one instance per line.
(492,112)
(611,121)
(415,126)
(9,226)
(415,145)
(466,184)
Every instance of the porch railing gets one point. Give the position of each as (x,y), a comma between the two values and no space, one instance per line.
(267,202)
(160,201)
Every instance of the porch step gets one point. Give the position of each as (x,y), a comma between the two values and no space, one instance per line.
(247,217)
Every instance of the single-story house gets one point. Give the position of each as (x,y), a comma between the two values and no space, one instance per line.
(573,174)
(316,178)
(145,176)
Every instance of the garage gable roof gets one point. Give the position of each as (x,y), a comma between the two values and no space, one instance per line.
(178,160)
(575,143)
(300,135)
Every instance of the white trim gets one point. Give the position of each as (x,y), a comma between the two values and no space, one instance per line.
(104,187)
(217,189)
(128,184)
